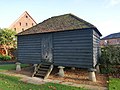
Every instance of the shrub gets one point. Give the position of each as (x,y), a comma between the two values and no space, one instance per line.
(1,57)
(110,58)
(110,55)
(5,58)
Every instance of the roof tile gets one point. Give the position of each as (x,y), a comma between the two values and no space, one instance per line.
(59,23)
(111,36)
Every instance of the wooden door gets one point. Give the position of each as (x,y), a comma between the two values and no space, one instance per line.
(46,48)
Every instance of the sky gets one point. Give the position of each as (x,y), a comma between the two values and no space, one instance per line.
(104,14)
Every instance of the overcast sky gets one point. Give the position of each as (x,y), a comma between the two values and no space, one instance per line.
(104,14)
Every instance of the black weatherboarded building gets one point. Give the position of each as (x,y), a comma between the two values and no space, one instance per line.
(64,40)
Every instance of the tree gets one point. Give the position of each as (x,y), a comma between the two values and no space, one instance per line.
(7,39)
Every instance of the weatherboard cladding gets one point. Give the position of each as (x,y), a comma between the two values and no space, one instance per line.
(29,49)
(70,48)
(96,48)
(73,48)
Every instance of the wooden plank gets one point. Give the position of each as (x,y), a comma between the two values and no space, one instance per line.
(72,38)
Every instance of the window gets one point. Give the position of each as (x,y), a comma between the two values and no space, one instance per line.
(22,29)
(26,16)
(20,23)
(15,29)
(26,24)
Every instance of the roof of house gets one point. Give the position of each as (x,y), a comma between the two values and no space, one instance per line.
(59,23)
(25,13)
(112,36)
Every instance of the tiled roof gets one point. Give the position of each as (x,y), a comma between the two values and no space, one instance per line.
(111,36)
(59,23)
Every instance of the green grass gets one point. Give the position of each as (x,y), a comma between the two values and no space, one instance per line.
(10,67)
(114,84)
(13,83)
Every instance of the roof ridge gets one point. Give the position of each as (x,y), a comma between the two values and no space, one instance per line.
(30,16)
(54,17)
(112,35)
(61,15)
(60,23)
(79,19)
(72,15)
(115,33)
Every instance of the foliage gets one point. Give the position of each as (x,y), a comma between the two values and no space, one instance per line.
(110,58)
(110,69)
(114,84)
(13,53)
(5,58)
(110,55)
(1,57)
(7,39)
(11,66)
(13,83)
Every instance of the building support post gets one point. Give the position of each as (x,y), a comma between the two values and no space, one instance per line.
(61,71)
(98,68)
(92,76)
(18,67)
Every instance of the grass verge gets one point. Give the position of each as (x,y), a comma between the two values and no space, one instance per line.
(114,84)
(10,66)
(13,83)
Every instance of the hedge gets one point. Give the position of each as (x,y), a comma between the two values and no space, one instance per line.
(5,58)
(110,55)
(110,59)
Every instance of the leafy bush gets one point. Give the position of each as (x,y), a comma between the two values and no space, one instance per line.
(110,55)
(6,57)
(1,57)
(110,58)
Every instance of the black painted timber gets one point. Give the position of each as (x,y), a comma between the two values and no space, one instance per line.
(75,48)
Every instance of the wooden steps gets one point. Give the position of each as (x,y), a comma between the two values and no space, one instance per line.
(43,70)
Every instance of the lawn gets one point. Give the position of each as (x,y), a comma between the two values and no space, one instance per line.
(114,84)
(13,83)
(10,66)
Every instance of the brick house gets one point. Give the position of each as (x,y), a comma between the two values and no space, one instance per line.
(24,22)
(112,39)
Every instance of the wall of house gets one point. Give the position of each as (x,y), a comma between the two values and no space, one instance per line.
(73,48)
(23,23)
(29,49)
(70,48)
(112,41)
(96,48)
